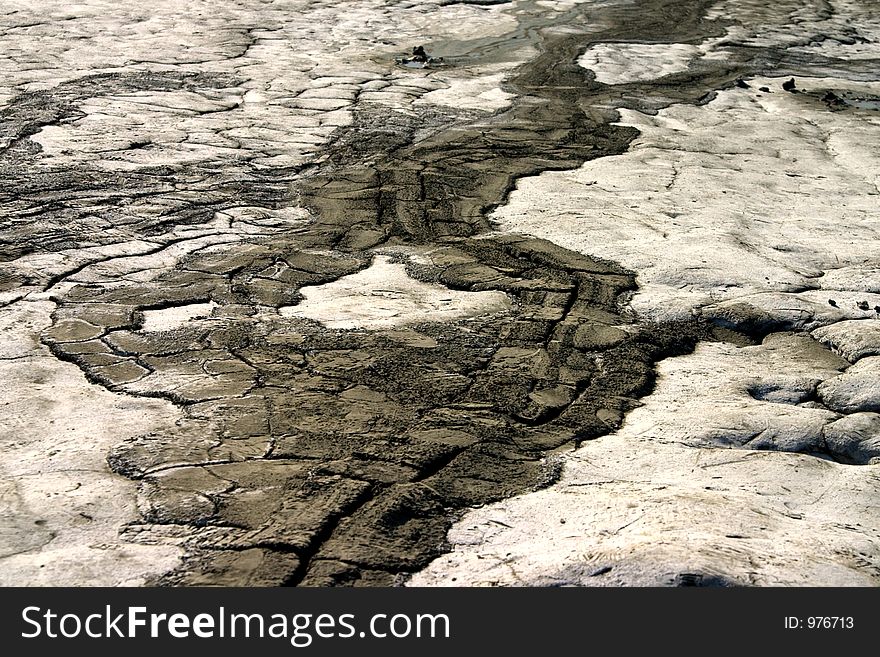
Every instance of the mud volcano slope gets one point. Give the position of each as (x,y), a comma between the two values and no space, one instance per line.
(331,429)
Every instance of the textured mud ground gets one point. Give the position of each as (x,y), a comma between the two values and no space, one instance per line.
(176,235)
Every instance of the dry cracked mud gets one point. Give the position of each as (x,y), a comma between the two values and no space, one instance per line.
(289,255)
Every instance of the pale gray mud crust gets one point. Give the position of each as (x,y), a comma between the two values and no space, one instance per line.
(315,456)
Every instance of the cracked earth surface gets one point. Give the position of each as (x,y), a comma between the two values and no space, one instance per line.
(273,313)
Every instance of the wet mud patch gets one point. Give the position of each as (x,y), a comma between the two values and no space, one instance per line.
(59,219)
(840,99)
(388,430)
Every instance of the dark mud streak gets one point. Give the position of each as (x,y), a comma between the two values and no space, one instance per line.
(82,207)
(352,451)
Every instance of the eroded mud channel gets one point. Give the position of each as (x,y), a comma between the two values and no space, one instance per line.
(363,356)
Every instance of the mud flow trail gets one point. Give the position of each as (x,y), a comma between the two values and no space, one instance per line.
(275,242)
